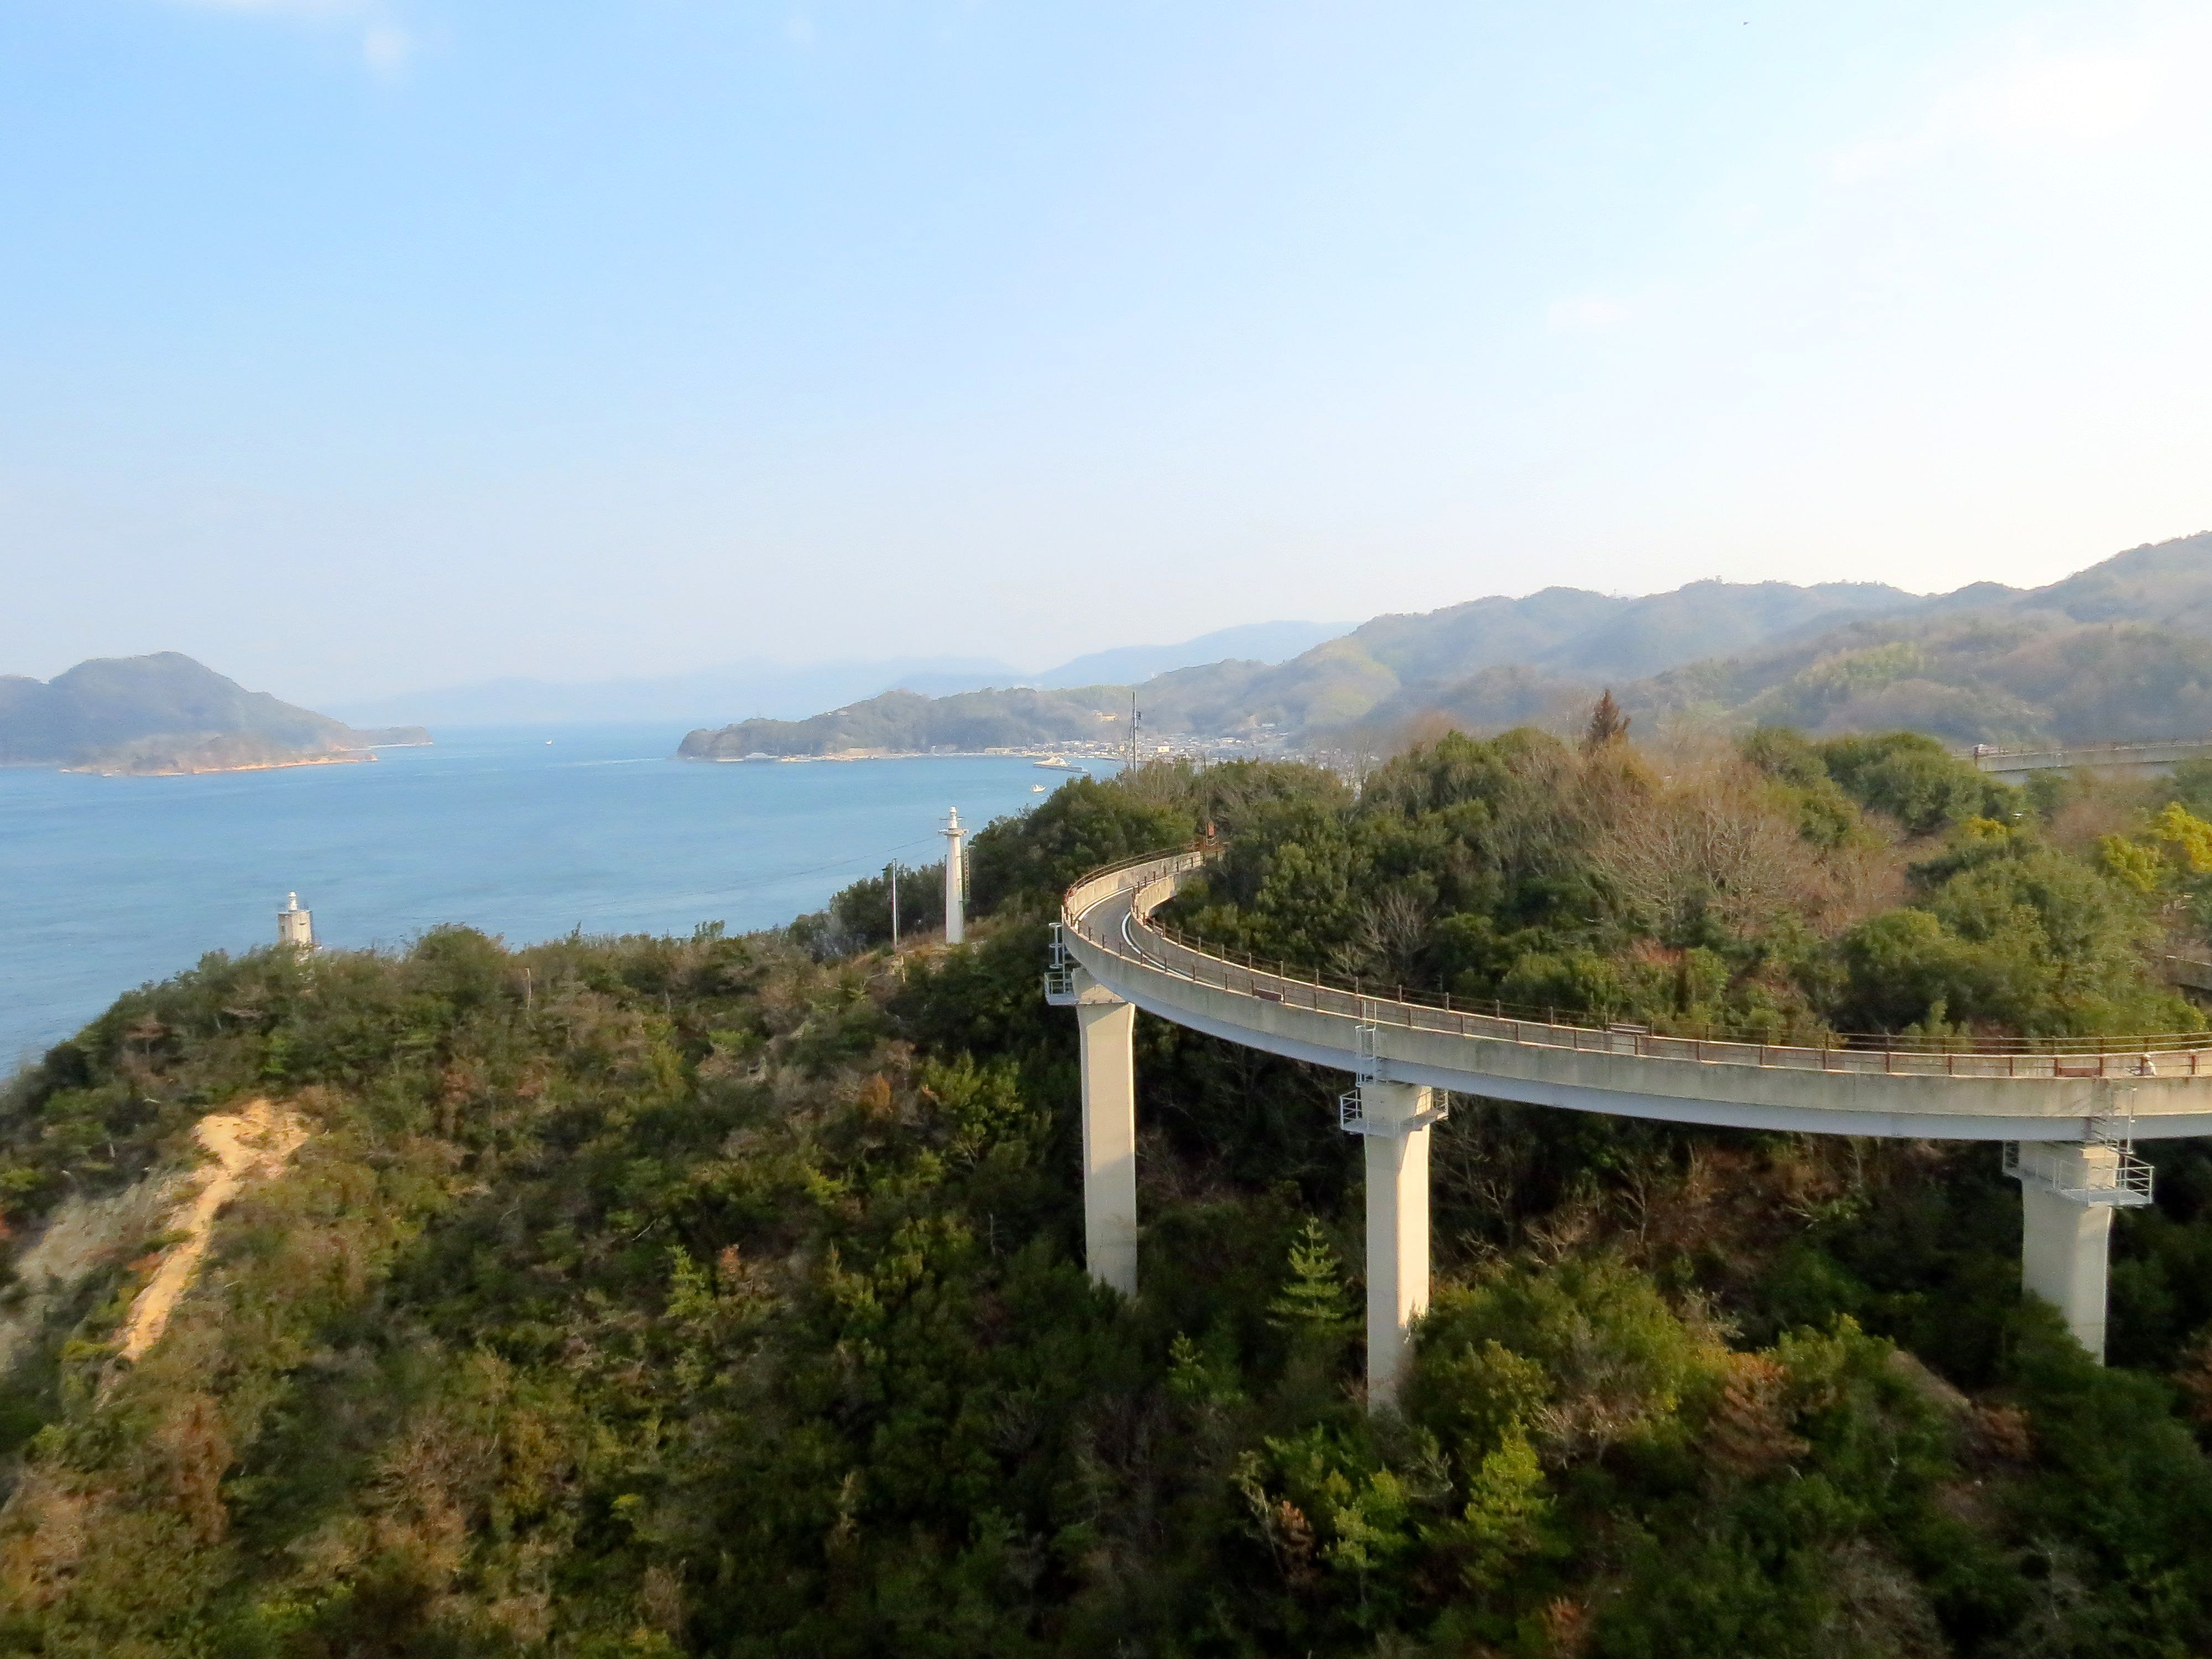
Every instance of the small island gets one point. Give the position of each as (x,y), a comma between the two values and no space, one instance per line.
(1018,719)
(166,715)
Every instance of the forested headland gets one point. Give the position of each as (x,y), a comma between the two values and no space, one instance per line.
(164,713)
(724,1294)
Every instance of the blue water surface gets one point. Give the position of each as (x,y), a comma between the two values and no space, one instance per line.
(106,883)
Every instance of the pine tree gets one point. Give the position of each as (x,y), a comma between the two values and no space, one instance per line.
(1606,723)
(1313,1301)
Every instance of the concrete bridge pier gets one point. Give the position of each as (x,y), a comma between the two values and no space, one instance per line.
(1394,1118)
(1107,1027)
(2067,1191)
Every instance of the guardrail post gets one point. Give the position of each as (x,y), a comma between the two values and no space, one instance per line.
(1107,1027)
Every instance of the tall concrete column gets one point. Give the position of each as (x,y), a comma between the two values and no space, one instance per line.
(2067,1193)
(955,880)
(1395,1119)
(1109,1027)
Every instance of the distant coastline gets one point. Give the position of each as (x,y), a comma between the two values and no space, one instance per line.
(1076,757)
(187,769)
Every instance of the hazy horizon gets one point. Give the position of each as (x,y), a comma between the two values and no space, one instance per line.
(361,348)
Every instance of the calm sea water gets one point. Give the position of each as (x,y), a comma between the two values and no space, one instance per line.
(105,882)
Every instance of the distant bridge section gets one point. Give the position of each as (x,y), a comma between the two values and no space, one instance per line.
(2158,755)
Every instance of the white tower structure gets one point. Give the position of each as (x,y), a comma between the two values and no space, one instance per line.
(956,879)
(295,926)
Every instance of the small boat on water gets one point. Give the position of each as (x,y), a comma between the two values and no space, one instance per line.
(1036,789)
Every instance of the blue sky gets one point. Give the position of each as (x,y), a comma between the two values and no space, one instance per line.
(355,345)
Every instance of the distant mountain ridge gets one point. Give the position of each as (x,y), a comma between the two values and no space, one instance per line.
(2123,648)
(773,688)
(1132,664)
(165,713)
(1389,660)
(788,691)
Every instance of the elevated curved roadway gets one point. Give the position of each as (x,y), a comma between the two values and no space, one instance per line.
(2072,1108)
(2156,756)
(2010,1091)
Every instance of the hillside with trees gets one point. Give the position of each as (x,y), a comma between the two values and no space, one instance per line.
(165,713)
(2002,678)
(2121,650)
(724,1295)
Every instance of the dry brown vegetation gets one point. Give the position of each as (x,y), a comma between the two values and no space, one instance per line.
(1700,827)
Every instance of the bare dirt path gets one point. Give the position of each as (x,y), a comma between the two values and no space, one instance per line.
(253,1142)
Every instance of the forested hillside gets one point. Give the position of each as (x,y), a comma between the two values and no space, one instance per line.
(725,1296)
(1976,678)
(2121,650)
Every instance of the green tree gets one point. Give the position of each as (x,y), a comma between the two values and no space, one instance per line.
(1313,1304)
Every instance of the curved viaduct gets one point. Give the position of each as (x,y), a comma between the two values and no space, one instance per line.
(2068,1112)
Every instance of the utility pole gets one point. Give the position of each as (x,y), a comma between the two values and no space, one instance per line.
(1133,731)
(891,869)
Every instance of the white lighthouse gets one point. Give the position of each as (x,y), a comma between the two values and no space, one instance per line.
(956,879)
(295,927)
